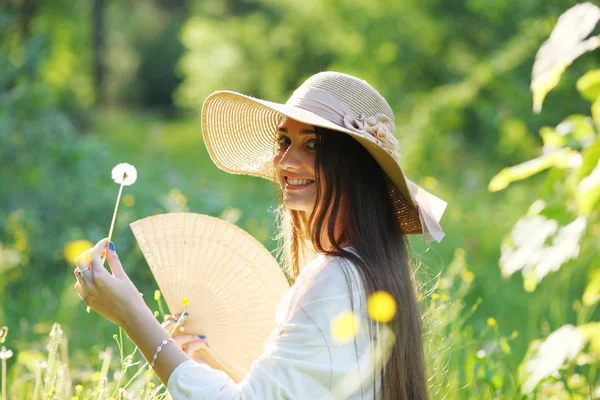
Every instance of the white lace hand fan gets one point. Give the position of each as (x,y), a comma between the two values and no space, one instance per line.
(232,281)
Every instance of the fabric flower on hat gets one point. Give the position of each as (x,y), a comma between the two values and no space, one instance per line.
(379,127)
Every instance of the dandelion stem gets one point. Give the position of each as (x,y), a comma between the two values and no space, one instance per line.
(112,224)
(3,379)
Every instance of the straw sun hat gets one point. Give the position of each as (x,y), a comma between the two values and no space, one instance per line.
(240,135)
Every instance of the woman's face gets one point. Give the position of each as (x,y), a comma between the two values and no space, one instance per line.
(295,164)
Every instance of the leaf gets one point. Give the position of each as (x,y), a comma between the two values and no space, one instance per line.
(562,158)
(589,85)
(578,126)
(566,43)
(559,348)
(592,291)
(552,139)
(588,189)
(596,113)
(591,332)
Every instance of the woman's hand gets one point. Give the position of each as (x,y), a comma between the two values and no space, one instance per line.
(113,296)
(187,342)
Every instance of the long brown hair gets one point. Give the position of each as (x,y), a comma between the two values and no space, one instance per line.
(356,186)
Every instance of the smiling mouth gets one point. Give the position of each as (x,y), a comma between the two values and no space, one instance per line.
(292,183)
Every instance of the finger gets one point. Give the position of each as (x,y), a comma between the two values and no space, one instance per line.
(192,347)
(185,339)
(113,261)
(79,290)
(83,275)
(83,260)
(167,323)
(168,326)
(96,254)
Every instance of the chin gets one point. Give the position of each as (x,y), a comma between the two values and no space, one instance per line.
(297,205)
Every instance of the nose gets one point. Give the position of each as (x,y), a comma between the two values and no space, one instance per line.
(290,159)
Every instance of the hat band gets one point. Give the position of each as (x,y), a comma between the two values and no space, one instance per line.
(322,103)
(377,128)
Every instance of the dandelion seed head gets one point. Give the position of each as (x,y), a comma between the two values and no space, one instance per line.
(125,174)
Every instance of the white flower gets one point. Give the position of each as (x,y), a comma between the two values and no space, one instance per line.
(5,353)
(124,173)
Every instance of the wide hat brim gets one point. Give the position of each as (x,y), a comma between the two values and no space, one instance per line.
(240,135)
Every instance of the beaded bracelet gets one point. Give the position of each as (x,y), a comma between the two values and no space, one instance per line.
(159,349)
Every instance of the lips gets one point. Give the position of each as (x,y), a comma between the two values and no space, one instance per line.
(297,183)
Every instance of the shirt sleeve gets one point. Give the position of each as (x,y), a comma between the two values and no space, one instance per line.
(302,361)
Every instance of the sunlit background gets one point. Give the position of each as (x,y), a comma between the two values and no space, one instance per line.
(509,297)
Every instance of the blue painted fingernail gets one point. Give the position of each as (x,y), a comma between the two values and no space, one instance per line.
(202,336)
(111,246)
(185,314)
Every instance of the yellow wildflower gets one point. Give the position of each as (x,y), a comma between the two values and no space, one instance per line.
(75,248)
(128,200)
(381,306)
(344,327)
(491,322)
(468,276)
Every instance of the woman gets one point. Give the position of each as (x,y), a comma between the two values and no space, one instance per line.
(346,210)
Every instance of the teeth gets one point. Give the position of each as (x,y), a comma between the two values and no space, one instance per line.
(298,181)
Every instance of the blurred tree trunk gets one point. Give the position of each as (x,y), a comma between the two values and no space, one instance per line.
(98,47)
(28,9)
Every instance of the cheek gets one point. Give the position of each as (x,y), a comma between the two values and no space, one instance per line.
(276,163)
(310,162)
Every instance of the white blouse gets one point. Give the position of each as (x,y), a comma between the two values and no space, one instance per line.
(301,359)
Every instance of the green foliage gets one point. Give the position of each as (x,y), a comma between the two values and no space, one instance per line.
(456,75)
(571,150)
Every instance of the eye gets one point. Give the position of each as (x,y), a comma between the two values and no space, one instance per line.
(311,145)
(283,142)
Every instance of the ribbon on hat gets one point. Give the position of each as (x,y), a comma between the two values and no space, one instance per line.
(431,209)
(377,128)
